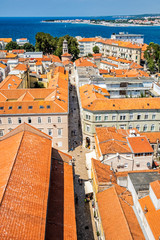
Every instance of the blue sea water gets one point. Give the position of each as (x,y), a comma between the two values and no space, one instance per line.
(28,27)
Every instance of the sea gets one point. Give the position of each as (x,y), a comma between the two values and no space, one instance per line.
(27,27)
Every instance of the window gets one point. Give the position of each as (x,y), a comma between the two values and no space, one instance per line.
(126,165)
(0,121)
(98,118)
(19,120)
(30,107)
(1,108)
(48,106)
(145,128)
(9,121)
(153,116)
(50,131)
(10,107)
(122,117)
(130,127)
(88,117)
(1,132)
(87,128)
(41,106)
(59,120)
(138,127)
(152,127)
(146,116)
(122,126)
(19,107)
(29,120)
(105,117)
(49,120)
(59,131)
(131,116)
(113,117)
(39,120)
(138,117)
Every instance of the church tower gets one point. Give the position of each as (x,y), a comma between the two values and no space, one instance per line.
(65,55)
(65,46)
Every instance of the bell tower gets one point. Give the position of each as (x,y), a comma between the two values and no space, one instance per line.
(65,46)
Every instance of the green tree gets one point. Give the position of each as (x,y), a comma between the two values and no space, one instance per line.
(53,45)
(45,43)
(12,45)
(38,85)
(28,47)
(152,56)
(96,49)
(72,46)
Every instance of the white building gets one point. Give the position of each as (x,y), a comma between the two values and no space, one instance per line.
(134,38)
(22,41)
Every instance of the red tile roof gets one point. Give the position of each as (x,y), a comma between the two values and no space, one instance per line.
(115,204)
(153,137)
(156,188)
(61,222)
(120,104)
(140,144)
(81,62)
(21,67)
(26,170)
(152,215)
(112,140)
(10,82)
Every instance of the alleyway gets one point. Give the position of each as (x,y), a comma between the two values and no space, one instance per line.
(83,219)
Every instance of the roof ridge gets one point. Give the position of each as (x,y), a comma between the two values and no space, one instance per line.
(123,211)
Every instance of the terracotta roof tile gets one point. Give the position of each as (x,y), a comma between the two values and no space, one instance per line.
(152,215)
(153,137)
(140,144)
(82,62)
(24,205)
(156,188)
(112,216)
(10,82)
(2,66)
(61,209)
(21,67)
(121,104)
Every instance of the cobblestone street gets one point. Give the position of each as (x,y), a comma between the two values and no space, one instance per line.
(83,218)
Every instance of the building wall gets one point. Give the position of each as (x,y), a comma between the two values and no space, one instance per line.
(154,199)
(60,142)
(139,211)
(127,162)
(132,54)
(91,124)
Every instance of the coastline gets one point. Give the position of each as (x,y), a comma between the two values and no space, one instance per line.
(106,25)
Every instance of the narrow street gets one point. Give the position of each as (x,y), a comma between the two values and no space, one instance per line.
(83,218)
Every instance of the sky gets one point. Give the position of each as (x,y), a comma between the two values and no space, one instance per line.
(55,8)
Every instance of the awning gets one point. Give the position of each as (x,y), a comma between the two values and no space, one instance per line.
(88,187)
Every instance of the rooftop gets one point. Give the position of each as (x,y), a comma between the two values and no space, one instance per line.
(10,82)
(112,140)
(152,215)
(115,206)
(25,174)
(61,208)
(106,104)
(141,180)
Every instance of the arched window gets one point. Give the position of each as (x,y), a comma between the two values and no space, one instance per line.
(152,127)
(145,128)
(138,127)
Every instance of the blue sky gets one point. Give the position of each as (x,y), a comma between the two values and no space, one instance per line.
(56,8)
